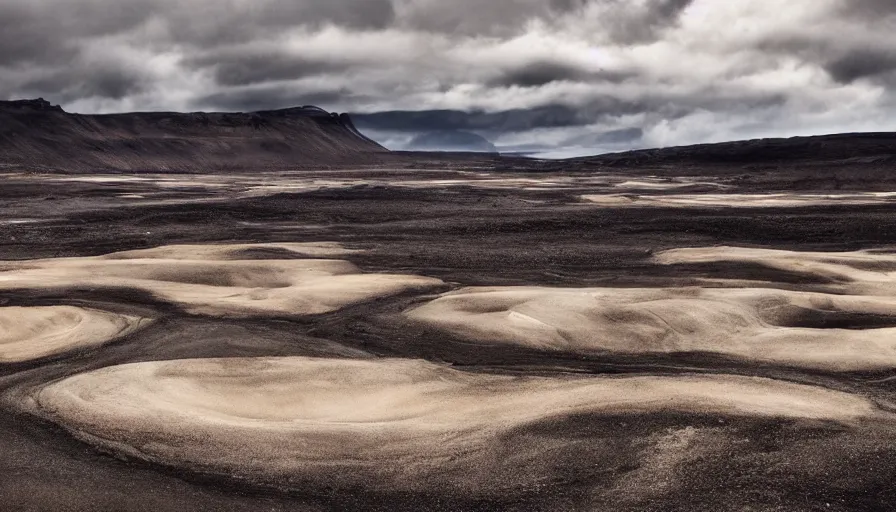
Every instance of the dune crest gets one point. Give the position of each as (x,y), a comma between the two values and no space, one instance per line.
(218,280)
(789,200)
(751,324)
(28,333)
(857,272)
(394,422)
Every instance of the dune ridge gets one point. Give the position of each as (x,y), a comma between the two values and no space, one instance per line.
(391,422)
(216,281)
(866,272)
(788,200)
(752,324)
(29,333)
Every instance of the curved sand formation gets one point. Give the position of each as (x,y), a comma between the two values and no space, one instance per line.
(235,251)
(748,324)
(859,272)
(399,423)
(208,280)
(741,200)
(666,184)
(28,333)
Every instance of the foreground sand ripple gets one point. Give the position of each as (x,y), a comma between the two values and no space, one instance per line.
(222,280)
(866,272)
(28,333)
(786,200)
(749,324)
(392,422)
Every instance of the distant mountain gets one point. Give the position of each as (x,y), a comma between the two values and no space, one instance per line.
(34,133)
(834,150)
(451,140)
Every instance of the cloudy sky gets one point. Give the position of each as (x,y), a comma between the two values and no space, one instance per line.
(579,75)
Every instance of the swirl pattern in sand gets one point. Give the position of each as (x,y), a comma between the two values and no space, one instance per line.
(393,422)
(223,280)
(28,333)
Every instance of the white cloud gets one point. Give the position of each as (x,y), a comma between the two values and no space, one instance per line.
(684,71)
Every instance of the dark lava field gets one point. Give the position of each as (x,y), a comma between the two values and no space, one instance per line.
(697,329)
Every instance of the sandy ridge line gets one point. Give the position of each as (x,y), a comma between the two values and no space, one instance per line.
(389,421)
(29,333)
(215,280)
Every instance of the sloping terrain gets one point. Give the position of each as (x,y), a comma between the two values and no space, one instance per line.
(40,136)
(422,331)
(847,161)
(408,339)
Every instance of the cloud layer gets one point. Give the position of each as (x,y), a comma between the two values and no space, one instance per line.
(555,74)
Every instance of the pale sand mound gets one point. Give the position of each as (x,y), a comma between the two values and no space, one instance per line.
(664,184)
(206,280)
(741,323)
(741,200)
(858,273)
(233,251)
(34,332)
(399,423)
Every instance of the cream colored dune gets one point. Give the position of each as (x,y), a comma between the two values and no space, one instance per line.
(741,200)
(859,273)
(207,280)
(749,324)
(663,184)
(391,422)
(233,251)
(28,333)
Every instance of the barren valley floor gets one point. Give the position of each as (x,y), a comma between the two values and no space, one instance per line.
(400,339)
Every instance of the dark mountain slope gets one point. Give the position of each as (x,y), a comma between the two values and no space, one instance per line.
(849,161)
(839,148)
(35,134)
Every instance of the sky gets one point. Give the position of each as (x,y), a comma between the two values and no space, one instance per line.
(560,76)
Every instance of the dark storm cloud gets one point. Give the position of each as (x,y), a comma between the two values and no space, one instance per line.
(43,32)
(209,23)
(550,70)
(874,9)
(622,136)
(268,98)
(37,30)
(548,116)
(245,67)
(861,64)
(645,26)
(72,84)
(845,60)
(540,73)
(477,17)
(558,115)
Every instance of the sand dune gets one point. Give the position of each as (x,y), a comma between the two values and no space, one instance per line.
(742,200)
(235,251)
(749,324)
(393,422)
(859,272)
(28,333)
(212,280)
(665,184)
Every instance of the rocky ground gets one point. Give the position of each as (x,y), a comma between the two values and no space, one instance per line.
(594,337)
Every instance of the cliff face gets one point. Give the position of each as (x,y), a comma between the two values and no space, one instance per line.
(35,134)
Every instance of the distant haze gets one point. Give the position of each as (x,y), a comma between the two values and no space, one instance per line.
(545,76)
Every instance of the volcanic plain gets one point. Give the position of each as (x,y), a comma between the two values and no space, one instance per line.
(709,328)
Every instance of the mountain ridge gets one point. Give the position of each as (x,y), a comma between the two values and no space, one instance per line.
(35,133)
